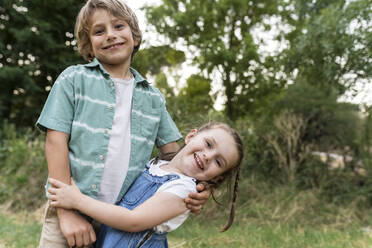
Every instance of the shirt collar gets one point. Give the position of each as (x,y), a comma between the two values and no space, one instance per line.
(137,76)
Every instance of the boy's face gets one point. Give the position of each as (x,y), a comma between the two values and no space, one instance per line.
(111,39)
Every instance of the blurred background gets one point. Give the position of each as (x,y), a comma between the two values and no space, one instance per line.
(294,77)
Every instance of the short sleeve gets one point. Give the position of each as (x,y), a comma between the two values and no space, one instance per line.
(58,111)
(168,131)
(181,187)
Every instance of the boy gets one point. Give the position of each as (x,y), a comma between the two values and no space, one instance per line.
(102,120)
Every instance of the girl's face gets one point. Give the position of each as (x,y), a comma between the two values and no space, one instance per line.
(207,154)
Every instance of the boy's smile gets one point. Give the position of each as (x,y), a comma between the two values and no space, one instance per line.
(111,42)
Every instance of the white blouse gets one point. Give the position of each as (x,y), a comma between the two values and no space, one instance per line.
(180,187)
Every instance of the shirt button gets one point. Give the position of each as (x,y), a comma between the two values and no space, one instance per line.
(111,107)
(94,186)
(111,84)
(106,131)
(101,157)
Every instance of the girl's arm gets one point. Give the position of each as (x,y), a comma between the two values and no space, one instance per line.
(159,208)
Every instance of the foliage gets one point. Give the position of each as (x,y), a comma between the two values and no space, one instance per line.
(23,168)
(34,51)
(303,120)
(152,60)
(331,125)
(194,97)
(192,106)
(287,145)
(329,44)
(219,33)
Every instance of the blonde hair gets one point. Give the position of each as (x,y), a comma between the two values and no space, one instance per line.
(115,7)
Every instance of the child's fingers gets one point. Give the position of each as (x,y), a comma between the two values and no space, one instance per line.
(52,190)
(200,196)
(53,198)
(201,186)
(73,182)
(56,183)
(92,235)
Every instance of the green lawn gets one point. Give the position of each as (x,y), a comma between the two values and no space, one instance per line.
(253,234)
(21,232)
(18,231)
(266,217)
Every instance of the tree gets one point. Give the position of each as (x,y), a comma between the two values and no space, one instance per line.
(329,44)
(330,124)
(36,44)
(194,97)
(219,34)
(151,60)
(193,103)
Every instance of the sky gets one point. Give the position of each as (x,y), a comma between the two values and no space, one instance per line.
(364,94)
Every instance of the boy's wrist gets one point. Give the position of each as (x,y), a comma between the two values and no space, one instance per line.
(61,212)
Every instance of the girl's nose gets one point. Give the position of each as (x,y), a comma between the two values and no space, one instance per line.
(206,156)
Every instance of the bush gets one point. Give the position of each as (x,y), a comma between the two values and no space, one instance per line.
(23,168)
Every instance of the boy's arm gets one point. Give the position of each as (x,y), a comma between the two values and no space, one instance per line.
(74,227)
(169,148)
(158,209)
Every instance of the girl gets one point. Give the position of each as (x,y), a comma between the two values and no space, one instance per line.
(154,203)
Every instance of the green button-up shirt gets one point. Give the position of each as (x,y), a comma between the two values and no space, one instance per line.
(82,104)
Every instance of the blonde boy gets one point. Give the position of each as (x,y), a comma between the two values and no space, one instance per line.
(102,120)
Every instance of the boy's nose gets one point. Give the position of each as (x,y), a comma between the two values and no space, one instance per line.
(110,33)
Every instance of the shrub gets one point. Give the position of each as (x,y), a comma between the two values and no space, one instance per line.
(23,168)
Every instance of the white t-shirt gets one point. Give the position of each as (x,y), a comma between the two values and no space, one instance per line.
(180,187)
(117,160)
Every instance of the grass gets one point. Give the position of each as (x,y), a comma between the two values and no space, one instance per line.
(19,230)
(266,217)
(257,235)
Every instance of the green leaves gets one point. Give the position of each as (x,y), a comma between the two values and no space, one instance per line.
(219,32)
(34,51)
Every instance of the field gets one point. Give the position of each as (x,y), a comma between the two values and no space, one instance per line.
(267,217)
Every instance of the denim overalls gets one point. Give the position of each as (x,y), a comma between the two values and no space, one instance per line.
(143,188)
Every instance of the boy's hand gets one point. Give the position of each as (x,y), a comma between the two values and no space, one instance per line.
(196,201)
(77,230)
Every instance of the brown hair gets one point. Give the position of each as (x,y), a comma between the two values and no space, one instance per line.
(118,9)
(217,181)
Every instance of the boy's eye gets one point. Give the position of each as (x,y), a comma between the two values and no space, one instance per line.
(119,26)
(98,31)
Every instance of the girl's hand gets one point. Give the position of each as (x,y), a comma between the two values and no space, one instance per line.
(196,201)
(63,195)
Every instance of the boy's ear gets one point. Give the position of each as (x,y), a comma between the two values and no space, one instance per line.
(136,42)
(190,135)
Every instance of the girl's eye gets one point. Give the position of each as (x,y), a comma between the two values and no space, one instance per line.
(218,163)
(119,26)
(208,143)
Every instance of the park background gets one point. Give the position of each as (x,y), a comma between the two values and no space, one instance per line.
(292,76)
